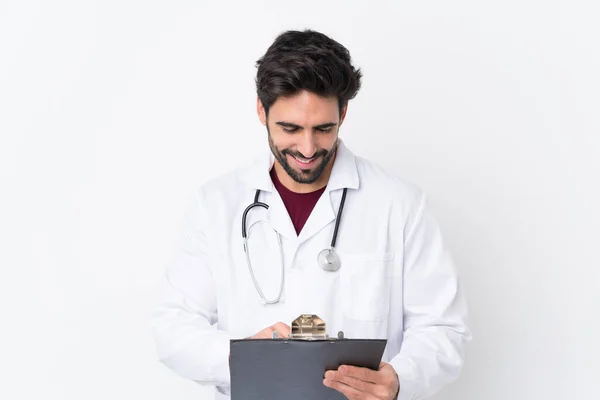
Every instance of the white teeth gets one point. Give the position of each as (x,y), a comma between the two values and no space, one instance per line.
(304,162)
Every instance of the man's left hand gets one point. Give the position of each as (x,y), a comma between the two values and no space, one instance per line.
(364,383)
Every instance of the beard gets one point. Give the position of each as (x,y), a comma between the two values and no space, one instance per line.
(304,176)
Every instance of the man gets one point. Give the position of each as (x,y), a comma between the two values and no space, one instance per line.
(396,279)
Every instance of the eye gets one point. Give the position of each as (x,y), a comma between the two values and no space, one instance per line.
(290,130)
(325,130)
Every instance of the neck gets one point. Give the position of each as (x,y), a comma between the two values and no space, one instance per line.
(296,187)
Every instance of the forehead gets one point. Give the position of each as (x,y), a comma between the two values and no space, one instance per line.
(305,107)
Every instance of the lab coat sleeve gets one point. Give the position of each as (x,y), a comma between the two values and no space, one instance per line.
(435,311)
(183,321)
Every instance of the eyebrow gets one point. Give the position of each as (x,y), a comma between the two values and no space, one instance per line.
(290,125)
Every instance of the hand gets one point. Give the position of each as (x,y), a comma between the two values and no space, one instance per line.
(363,383)
(282,330)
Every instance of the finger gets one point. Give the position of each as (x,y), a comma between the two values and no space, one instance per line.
(346,390)
(266,333)
(364,374)
(283,329)
(361,386)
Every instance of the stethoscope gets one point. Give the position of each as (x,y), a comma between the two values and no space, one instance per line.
(328,259)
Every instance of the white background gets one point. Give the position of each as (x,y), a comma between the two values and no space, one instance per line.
(111,113)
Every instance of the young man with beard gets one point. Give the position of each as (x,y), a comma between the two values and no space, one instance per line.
(329,233)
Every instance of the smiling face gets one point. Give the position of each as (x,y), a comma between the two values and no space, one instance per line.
(303,136)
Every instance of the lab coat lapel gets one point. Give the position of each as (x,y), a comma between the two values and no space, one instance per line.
(344,174)
(319,218)
(279,218)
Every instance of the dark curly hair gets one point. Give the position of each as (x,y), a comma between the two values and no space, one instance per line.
(306,60)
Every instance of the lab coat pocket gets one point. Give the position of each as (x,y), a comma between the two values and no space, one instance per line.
(365,282)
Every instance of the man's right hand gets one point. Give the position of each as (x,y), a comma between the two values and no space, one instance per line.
(282,330)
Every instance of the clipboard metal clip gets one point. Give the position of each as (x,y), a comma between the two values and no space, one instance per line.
(311,327)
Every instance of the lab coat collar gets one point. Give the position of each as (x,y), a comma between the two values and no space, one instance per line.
(344,173)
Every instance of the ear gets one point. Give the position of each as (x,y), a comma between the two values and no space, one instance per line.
(260,110)
(343,114)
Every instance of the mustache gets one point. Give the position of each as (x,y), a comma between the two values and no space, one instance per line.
(297,154)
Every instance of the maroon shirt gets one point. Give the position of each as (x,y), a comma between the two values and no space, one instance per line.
(298,205)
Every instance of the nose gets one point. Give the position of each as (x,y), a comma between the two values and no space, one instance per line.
(308,144)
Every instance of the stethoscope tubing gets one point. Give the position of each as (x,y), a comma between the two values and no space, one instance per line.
(256,203)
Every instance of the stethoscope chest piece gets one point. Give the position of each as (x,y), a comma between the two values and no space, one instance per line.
(329,260)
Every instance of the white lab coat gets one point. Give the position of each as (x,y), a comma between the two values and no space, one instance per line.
(397,280)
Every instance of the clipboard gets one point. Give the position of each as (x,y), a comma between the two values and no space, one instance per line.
(293,368)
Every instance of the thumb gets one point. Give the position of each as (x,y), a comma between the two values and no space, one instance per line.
(283,329)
